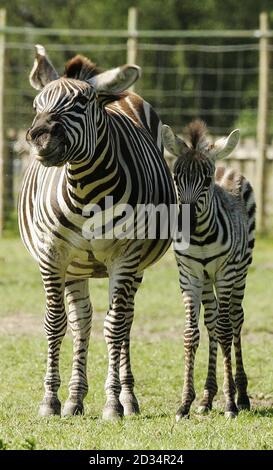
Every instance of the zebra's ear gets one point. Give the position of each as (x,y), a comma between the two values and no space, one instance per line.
(42,71)
(223,147)
(172,142)
(116,80)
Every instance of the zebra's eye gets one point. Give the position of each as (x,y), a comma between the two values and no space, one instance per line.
(82,99)
(207,181)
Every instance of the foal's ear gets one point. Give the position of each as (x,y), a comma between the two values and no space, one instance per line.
(116,80)
(172,142)
(42,71)
(223,147)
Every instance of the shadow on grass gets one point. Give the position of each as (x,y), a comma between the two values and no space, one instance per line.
(153,416)
(263,412)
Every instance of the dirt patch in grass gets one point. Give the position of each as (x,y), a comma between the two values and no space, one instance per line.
(21,324)
(27,324)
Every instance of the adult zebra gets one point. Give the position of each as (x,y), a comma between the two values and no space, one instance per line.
(90,140)
(219,254)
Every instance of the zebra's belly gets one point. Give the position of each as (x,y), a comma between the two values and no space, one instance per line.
(212,259)
(85,259)
(90,267)
(93,264)
(79,269)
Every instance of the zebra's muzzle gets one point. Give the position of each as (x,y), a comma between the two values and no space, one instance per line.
(46,136)
(55,157)
(186,224)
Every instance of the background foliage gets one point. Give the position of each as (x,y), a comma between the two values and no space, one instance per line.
(158,15)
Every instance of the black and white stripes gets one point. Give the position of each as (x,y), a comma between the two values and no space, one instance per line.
(90,140)
(214,267)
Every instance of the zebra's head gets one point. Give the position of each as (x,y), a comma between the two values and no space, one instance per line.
(194,167)
(65,126)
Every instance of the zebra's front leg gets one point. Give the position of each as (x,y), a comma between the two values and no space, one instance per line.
(237,319)
(122,273)
(210,317)
(55,327)
(192,292)
(80,318)
(127,396)
(225,335)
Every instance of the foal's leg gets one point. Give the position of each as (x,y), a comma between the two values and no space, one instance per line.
(192,292)
(79,317)
(237,318)
(210,316)
(127,396)
(224,284)
(55,327)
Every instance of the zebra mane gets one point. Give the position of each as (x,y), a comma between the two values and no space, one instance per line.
(196,133)
(81,68)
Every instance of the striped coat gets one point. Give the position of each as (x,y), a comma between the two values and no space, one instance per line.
(216,262)
(90,141)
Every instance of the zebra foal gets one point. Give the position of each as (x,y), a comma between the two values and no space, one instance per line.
(220,251)
(91,141)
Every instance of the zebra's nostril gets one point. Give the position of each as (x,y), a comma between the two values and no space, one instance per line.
(36,133)
(33,134)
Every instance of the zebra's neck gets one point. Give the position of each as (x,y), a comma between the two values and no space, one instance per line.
(97,176)
(206,218)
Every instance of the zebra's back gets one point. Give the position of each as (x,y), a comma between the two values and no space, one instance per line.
(237,185)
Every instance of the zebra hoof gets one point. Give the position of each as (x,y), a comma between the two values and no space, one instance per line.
(243,404)
(130,404)
(231,414)
(231,410)
(50,407)
(131,408)
(72,408)
(182,413)
(203,409)
(112,410)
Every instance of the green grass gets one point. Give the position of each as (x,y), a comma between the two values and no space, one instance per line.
(157,357)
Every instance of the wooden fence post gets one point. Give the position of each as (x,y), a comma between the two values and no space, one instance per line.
(2,148)
(262,121)
(132,38)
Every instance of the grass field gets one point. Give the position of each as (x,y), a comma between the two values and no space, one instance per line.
(157,355)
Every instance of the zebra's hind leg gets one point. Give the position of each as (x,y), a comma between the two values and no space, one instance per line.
(127,396)
(225,335)
(237,318)
(80,318)
(55,327)
(192,292)
(210,316)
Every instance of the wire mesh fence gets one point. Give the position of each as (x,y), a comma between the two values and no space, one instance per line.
(217,83)
(182,81)
(215,78)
